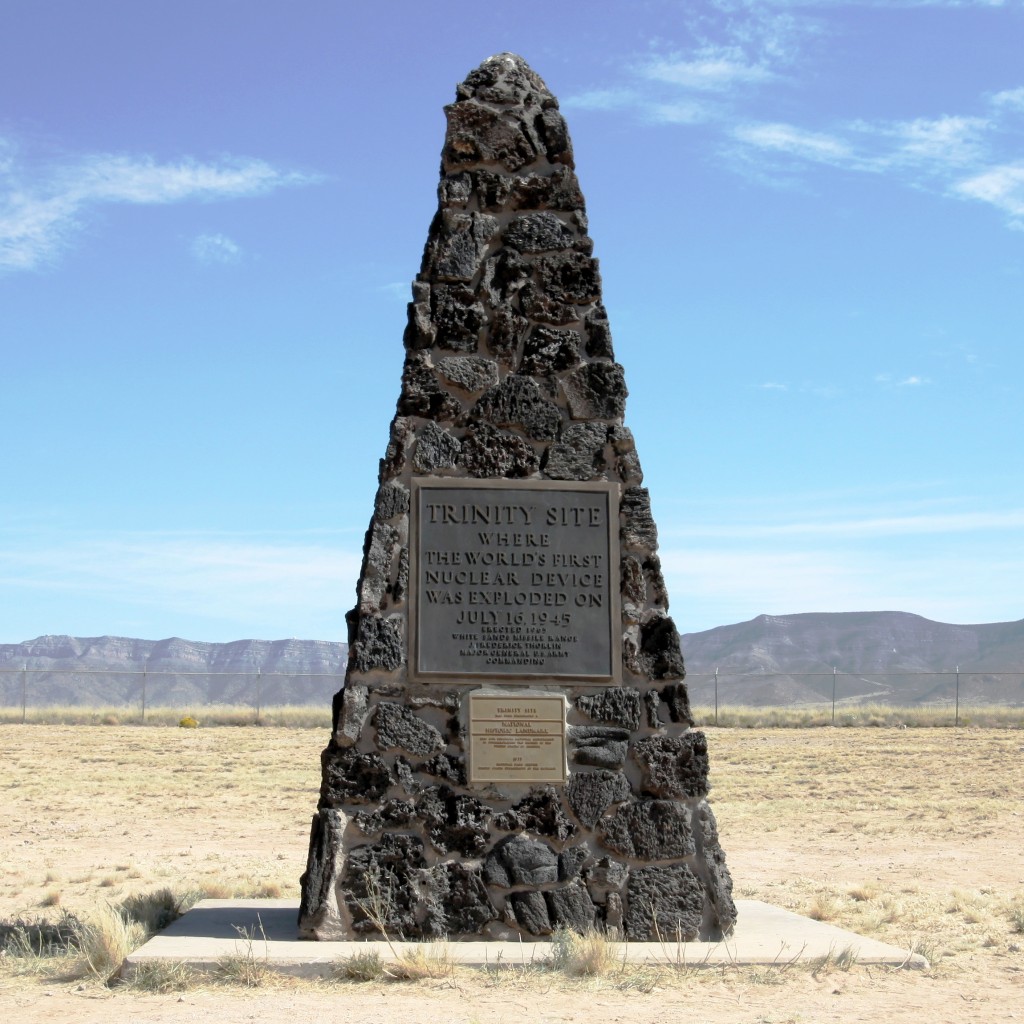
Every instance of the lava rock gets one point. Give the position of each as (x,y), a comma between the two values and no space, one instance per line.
(392,500)
(489,452)
(571,861)
(479,135)
(379,886)
(454,822)
(397,726)
(719,886)
(378,644)
(471,373)
(665,904)
(538,232)
(569,277)
(615,704)
(596,391)
(590,794)
(436,449)
(531,912)
(520,861)
(598,745)
(579,455)
(649,830)
(677,700)
(518,402)
(550,350)
(638,529)
(457,316)
(540,812)
(449,767)
(571,907)
(391,814)
(318,908)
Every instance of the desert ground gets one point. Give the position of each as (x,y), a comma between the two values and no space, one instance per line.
(913,836)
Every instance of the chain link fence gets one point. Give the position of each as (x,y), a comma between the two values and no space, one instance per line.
(795,698)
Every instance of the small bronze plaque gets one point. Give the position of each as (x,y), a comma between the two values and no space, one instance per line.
(515,580)
(516,738)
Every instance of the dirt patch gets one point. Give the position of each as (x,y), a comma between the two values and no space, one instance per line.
(915,837)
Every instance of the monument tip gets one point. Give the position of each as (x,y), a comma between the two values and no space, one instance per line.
(505,78)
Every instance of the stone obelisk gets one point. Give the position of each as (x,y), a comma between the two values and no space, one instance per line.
(512,750)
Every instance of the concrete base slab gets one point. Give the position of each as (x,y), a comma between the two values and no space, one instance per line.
(265,930)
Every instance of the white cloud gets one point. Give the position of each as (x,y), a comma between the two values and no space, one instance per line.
(710,69)
(602,99)
(943,140)
(798,142)
(1010,99)
(680,112)
(215,248)
(42,208)
(772,386)
(1002,187)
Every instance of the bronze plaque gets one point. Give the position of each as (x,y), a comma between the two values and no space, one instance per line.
(515,580)
(516,738)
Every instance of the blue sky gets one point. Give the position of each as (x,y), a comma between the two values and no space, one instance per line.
(810,221)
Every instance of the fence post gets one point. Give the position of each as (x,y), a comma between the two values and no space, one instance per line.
(833,695)
(24,690)
(956,720)
(259,691)
(716,695)
(143,694)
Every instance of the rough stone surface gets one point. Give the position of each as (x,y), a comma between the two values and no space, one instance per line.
(352,714)
(571,907)
(436,449)
(531,912)
(674,766)
(539,812)
(397,726)
(649,830)
(519,402)
(489,452)
(449,767)
(595,391)
(677,700)
(379,644)
(470,373)
(510,375)
(351,777)
(638,529)
(590,794)
(719,881)
(664,903)
(579,455)
(521,861)
(318,908)
(571,861)
(598,745)
(457,902)
(392,501)
(616,705)
(454,822)
(379,886)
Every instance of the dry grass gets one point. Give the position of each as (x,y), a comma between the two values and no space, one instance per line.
(587,955)
(912,836)
(883,716)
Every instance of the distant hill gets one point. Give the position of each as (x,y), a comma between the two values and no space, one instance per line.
(888,657)
(107,670)
(884,657)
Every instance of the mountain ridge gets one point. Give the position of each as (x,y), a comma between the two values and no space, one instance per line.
(770,659)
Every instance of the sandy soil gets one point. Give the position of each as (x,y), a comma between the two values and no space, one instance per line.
(915,837)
